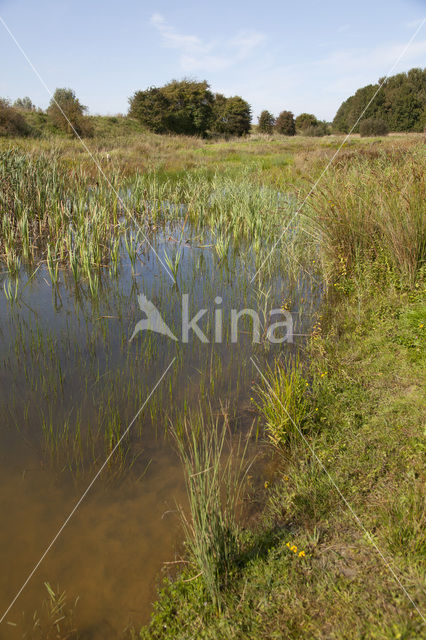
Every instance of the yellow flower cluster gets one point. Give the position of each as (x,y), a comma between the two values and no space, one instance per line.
(293,548)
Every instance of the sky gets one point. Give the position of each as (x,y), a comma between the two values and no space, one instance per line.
(305,56)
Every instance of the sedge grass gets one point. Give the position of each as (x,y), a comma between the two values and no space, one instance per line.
(214,473)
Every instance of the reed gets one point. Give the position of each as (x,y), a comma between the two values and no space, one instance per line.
(215,471)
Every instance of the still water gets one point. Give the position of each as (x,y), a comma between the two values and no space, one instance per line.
(71,383)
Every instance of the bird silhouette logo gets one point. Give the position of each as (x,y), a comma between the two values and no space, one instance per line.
(153,321)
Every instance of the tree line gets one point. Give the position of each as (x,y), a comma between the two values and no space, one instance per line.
(286,124)
(189,107)
(399,105)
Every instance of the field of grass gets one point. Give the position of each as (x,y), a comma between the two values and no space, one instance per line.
(334,544)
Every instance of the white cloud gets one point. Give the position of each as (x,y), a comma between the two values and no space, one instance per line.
(320,86)
(216,55)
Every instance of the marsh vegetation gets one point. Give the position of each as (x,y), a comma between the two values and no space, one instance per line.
(165,216)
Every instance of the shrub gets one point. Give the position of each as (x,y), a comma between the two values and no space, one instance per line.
(231,116)
(285,124)
(373,127)
(151,108)
(67,113)
(12,123)
(321,129)
(305,121)
(266,122)
(182,107)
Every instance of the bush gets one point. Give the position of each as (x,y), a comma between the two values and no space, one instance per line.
(321,129)
(373,127)
(305,121)
(231,116)
(67,113)
(12,123)
(152,109)
(266,122)
(182,107)
(285,124)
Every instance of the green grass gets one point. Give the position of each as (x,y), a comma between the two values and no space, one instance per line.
(359,402)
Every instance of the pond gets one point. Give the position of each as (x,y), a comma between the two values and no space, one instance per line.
(76,368)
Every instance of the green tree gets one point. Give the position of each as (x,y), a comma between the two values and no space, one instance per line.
(152,109)
(266,122)
(191,106)
(304,121)
(181,106)
(285,124)
(400,101)
(67,113)
(231,116)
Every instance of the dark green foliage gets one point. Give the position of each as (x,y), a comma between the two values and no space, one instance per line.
(266,122)
(400,103)
(67,113)
(373,127)
(189,108)
(305,121)
(285,124)
(183,107)
(152,109)
(11,121)
(231,116)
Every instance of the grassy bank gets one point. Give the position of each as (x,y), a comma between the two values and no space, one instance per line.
(363,433)
(336,550)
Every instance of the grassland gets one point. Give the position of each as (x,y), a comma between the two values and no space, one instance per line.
(336,547)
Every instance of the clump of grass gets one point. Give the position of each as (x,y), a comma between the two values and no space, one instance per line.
(215,472)
(372,211)
(283,401)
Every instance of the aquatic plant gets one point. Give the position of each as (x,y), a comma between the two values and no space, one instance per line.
(214,472)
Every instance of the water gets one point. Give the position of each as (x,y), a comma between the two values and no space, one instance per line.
(71,383)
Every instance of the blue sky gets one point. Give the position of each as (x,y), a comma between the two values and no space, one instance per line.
(302,56)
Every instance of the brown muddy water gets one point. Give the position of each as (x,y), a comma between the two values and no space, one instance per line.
(71,382)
